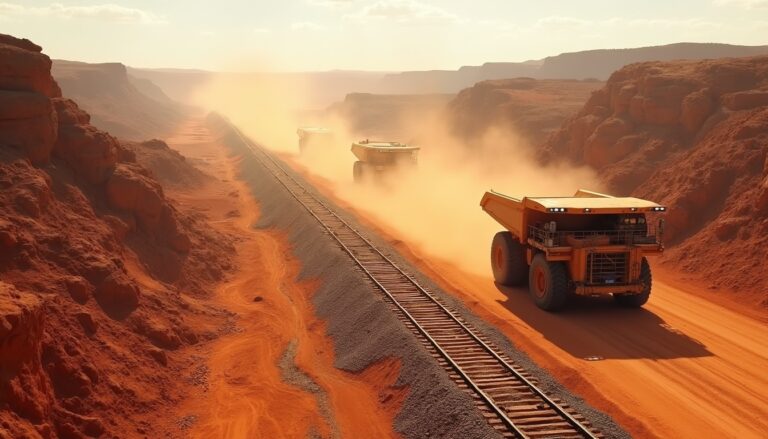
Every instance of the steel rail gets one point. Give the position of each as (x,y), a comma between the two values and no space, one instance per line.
(578,427)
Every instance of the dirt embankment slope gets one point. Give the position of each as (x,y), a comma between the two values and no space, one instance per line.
(104,280)
(693,136)
(127,107)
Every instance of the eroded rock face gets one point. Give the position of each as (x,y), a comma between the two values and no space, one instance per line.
(131,189)
(90,152)
(669,101)
(28,123)
(22,385)
(692,135)
(24,68)
(69,352)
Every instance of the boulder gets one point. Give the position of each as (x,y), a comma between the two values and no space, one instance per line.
(130,190)
(69,113)
(117,294)
(600,148)
(90,152)
(79,289)
(621,96)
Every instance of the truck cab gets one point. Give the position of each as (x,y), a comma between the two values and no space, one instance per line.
(588,244)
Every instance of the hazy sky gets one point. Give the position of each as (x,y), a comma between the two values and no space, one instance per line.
(366,34)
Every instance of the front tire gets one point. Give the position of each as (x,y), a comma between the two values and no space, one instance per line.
(548,283)
(508,260)
(638,300)
(358,172)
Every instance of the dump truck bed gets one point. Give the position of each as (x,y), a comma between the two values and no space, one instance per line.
(307,131)
(514,213)
(383,152)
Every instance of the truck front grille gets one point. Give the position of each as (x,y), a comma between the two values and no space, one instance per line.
(607,268)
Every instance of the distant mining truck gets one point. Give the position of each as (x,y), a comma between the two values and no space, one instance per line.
(589,244)
(312,137)
(375,158)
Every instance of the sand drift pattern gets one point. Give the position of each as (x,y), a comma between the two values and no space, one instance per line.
(506,395)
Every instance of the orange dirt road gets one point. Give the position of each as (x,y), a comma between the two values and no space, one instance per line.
(245,393)
(682,367)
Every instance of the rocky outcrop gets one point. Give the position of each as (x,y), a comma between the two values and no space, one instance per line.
(27,117)
(131,189)
(80,223)
(530,108)
(23,67)
(169,167)
(694,136)
(22,320)
(126,107)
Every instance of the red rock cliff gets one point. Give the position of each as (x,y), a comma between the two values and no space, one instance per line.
(694,136)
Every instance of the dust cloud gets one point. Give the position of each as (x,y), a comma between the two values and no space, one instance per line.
(265,106)
(434,207)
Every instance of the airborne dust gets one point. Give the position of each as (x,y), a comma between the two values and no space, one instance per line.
(434,207)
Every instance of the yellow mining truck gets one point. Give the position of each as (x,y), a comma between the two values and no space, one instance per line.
(314,137)
(589,244)
(375,158)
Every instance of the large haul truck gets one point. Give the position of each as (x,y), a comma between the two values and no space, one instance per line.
(376,158)
(589,244)
(314,137)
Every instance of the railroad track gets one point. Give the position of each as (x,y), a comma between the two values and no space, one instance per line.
(506,395)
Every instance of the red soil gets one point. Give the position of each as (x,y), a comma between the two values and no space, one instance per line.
(247,395)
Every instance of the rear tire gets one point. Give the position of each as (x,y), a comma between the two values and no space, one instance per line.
(508,260)
(548,283)
(358,172)
(638,300)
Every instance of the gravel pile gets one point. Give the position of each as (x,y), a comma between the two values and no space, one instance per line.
(364,329)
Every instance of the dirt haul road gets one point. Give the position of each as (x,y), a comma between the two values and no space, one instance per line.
(683,366)
(272,375)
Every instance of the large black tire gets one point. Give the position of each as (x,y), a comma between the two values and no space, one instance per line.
(508,260)
(548,283)
(358,172)
(638,300)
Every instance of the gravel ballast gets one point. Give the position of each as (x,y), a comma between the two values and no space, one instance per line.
(363,327)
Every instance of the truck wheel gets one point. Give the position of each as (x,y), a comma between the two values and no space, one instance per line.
(508,260)
(548,283)
(638,300)
(358,171)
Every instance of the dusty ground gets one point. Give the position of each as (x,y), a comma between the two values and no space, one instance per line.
(684,366)
(273,376)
